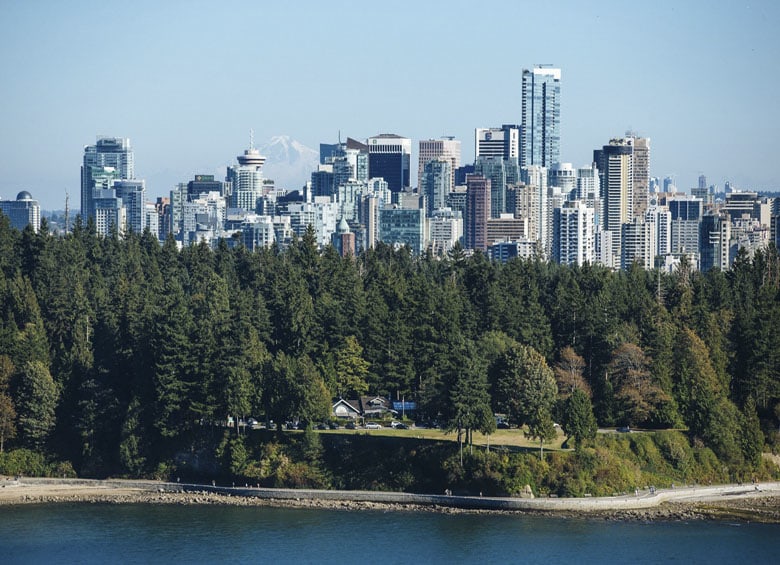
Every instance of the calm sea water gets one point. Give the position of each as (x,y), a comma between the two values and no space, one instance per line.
(73,533)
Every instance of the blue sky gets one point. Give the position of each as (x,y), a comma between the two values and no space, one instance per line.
(186,81)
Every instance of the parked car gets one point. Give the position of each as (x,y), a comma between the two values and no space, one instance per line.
(502,425)
(322,426)
(398,425)
(373,426)
(333,425)
(624,430)
(350,425)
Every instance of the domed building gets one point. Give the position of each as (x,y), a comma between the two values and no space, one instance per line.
(343,239)
(23,211)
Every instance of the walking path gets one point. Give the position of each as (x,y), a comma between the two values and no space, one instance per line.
(25,489)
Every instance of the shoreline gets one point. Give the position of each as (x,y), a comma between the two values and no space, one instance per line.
(744,503)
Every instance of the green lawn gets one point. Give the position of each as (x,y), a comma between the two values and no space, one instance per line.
(513,439)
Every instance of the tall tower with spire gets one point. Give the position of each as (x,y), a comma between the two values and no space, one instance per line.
(247,178)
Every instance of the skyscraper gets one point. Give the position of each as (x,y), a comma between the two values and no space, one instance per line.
(477,212)
(641,172)
(502,143)
(430,149)
(389,157)
(615,165)
(540,134)
(436,183)
(112,153)
(247,180)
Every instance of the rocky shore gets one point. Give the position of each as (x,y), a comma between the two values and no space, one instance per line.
(745,505)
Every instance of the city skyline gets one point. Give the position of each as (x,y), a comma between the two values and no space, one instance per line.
(195,81)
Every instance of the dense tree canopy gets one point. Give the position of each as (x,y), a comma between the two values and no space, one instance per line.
(118,353)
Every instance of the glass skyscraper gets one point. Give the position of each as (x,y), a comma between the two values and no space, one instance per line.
(110,155)
(540,133)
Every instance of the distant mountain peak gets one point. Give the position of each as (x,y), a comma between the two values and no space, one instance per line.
(288,161)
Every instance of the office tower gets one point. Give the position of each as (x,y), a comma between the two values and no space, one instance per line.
(573,235)
(506,228)
(108,154)
(702,182)
(714,241)
(492,168)
(540,134)
(247,180)
(503,142)
(615,166)
(669,186)
(389,157)
(446,148)
(403,226)
(641,172)
(23,211)
(203,184)
(133,196)
(436,183)
(477,212)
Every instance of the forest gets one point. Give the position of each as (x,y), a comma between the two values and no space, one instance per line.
(119,354)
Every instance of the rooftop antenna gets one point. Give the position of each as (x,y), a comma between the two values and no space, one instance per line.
(251,138)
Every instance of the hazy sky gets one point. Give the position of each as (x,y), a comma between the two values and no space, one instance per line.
(187,80)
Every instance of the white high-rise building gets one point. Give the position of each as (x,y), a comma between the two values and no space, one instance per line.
(502,143)
(638,244)
(573,234)
(247,180)
(539,224)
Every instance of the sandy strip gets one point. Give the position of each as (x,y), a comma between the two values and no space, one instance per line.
(741,502)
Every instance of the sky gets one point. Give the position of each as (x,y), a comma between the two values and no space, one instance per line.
(187,80)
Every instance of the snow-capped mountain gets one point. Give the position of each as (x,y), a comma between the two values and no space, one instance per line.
(288,162)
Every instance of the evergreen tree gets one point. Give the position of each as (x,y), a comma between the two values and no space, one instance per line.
(579,423)
(35,397)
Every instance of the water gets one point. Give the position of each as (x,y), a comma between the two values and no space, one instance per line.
(93,533)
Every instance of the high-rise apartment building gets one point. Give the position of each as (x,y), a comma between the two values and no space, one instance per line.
(444,148)
(540,134)
(477,212)
(133,196)
(501,143)
(616,168)
(573,235)
(641,172)
(109,155)
(389,157)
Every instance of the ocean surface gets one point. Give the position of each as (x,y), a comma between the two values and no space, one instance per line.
(137,533)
